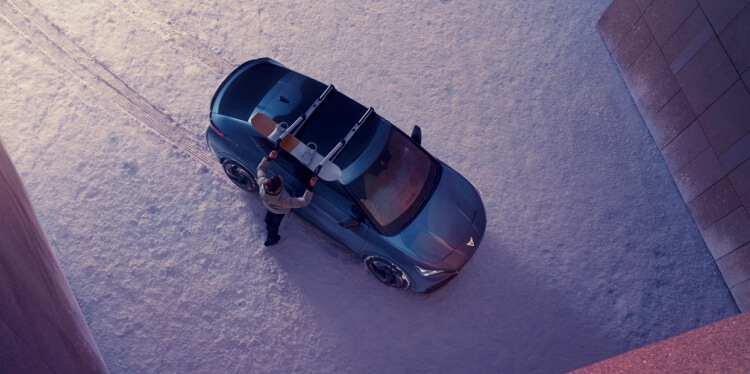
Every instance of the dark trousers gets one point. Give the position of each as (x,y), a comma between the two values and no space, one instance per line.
(273,221)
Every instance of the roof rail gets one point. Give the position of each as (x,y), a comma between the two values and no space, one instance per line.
(331,156)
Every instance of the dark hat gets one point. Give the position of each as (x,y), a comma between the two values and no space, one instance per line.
(273,184)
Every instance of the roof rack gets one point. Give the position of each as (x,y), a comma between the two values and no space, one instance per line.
(331,156)
(301,120)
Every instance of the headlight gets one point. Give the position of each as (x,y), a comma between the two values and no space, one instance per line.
(428,272)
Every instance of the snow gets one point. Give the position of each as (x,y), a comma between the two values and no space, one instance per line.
(589,250)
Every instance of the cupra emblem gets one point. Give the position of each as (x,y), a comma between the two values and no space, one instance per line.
(471,242)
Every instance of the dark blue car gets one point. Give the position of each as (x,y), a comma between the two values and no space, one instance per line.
(413,220)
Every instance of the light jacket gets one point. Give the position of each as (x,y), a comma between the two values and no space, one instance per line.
(280,202)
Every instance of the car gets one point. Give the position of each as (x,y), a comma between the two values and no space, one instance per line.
(413,220)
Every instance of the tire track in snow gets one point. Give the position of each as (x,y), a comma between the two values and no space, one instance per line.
(147,14)
(34,26)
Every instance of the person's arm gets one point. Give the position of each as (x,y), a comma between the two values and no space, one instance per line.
(263,166)
(306,198)
(303,201)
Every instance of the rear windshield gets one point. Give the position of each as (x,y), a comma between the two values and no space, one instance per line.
(243,93)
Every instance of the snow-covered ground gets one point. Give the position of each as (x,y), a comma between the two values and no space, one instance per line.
(589,250)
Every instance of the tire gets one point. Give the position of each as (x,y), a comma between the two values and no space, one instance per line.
(240,176)
(387,272)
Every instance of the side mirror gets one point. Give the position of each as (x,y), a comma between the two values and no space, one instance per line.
(353,222)
(416,134)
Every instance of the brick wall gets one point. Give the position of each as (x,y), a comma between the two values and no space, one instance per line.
(687,65)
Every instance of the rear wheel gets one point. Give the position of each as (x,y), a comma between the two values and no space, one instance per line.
(240,176)
(387,272)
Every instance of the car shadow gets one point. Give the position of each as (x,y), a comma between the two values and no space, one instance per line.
(493,316)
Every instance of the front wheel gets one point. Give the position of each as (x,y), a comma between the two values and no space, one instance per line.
(240,176)
(387,272)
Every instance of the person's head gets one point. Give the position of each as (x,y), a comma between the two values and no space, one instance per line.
(273,184)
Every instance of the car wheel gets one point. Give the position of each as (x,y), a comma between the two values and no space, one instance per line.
(240,176)
(387,272)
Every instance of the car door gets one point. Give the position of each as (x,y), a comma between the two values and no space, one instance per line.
(330,210)
(335,214)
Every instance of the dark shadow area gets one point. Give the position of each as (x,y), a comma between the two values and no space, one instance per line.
(492,317)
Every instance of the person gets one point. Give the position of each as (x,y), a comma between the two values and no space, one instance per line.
(277,200)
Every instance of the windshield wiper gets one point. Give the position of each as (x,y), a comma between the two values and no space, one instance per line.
(301,120)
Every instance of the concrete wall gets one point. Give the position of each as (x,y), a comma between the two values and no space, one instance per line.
(42,329)
(687,65)
(721,347)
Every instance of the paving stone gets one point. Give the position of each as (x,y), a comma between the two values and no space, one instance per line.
(741,294)
(687,40)
(634,43)
(651,83)
(698,175)
(707,75)
(658,94)
(730,233)
(735,39)
(692,88)
(617,21)
(671,120)
(664,17)
(721,12)
(714,204)
(643,4)
(736,154)
(685,147)
(728,119)
(740,178)
(735,267)
(638,76)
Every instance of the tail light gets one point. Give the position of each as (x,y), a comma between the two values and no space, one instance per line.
(213,126)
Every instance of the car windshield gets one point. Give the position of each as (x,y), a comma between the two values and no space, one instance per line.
(394,186)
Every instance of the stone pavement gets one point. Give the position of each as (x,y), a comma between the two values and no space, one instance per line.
(687,65)
(721,347)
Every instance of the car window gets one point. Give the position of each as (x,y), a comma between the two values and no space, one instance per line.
(394,186)
(290,98)
(244,92)
(361,140)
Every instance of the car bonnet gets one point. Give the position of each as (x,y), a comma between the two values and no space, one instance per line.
(452,222)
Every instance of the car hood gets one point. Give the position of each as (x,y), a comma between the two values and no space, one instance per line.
(450,226)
